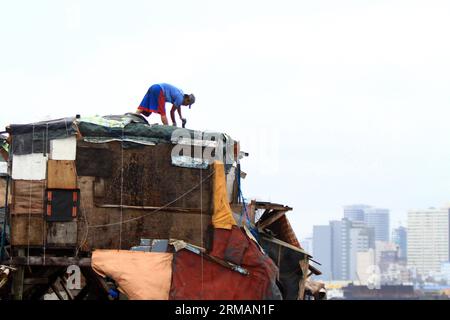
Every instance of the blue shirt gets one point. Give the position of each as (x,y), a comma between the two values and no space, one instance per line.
(172,94)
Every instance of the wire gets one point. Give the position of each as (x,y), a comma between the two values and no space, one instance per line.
(201,223)
(121,193)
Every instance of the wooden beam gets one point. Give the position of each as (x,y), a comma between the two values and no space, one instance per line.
(271,219)
(63,285)
(273,206)
(97,283)
(18,278)
(52,273)
(171,209)
(50,261)
(83,292)
(34,281)
(56,291)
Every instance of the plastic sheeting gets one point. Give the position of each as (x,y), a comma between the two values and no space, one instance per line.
(196,278)
(139,275)
(35,137)
(222,213)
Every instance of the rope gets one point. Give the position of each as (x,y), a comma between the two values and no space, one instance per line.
(201,222)
(44,236)
(121,194)
(29,201)
(241,197)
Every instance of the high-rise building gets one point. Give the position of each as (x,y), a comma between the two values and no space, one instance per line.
(338,244)
(322,250)
(428,239)
(399,237)
(374,217)
(355,212)
(365,262)
(339,249)
(348,238)
(307,245)
(361,239)
(378,219)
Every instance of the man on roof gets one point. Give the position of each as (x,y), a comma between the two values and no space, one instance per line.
(155,101)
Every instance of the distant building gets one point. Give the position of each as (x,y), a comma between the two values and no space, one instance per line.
(307,245)
(322,250)
(399,237)
(428,239)
(365,266)
(445,272)
(361,240)
(355,212)
(378,219)
(338,244)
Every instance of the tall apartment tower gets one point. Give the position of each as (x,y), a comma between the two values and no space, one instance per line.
(399,237)
(322,250)
(378,219)
(428,239)
(355,212)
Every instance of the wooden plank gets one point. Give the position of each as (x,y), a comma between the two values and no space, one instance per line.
(271,219)
(35,281)
(61,174)
(99,187)
(50,261)
(56,291)
(148,208)
(3,192)
(61,234)
(27,230)
(86,185)
(63,285)
(28,197)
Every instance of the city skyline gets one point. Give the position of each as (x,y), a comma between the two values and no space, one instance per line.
(333,106)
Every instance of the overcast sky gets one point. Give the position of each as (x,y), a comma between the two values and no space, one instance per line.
(337,102)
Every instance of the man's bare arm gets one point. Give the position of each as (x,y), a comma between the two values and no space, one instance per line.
(172,115)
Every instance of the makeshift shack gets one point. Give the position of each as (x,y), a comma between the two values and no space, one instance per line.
(103,192)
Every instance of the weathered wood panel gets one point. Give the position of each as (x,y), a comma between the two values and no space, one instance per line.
(155,225)
(3,192)
(28,196)
(27,230)
(61,234)
(93,159)
(61,174)
(145,176)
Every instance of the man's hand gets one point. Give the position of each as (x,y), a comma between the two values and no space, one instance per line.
(174,124)
(183,122)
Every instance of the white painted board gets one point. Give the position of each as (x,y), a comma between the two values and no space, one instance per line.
(29,167)
(63,149)
(3,167)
